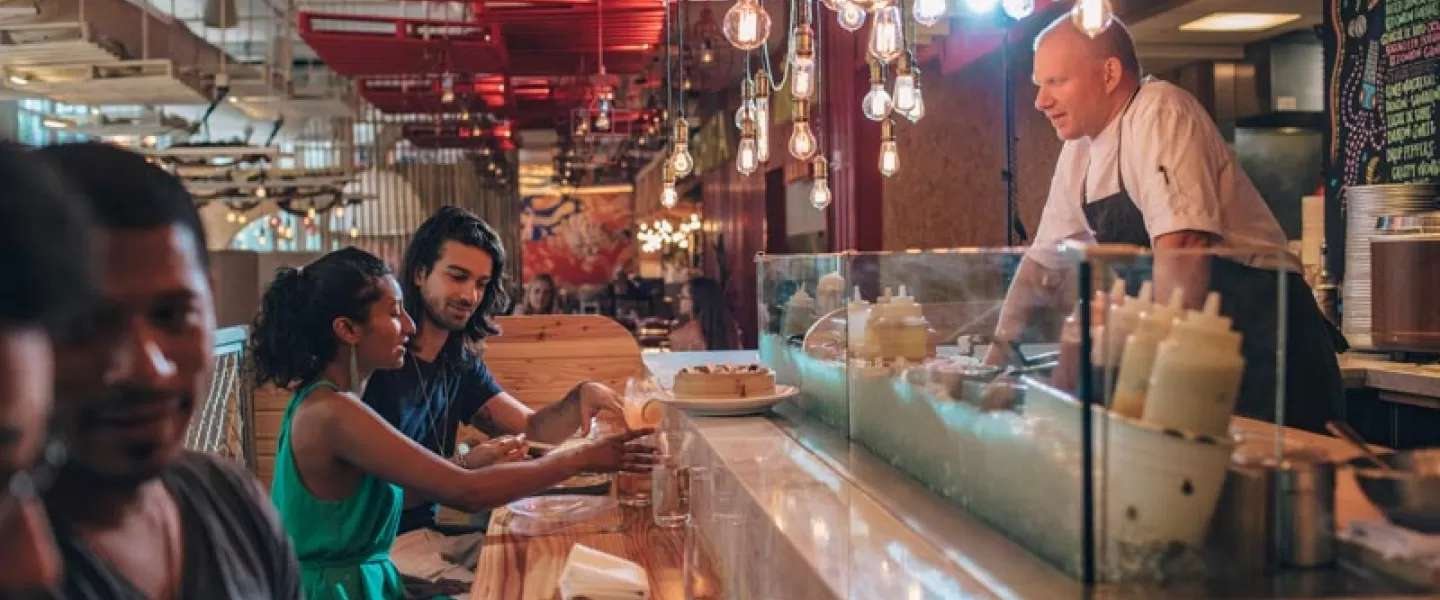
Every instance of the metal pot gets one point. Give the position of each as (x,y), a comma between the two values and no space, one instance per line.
(1409,493)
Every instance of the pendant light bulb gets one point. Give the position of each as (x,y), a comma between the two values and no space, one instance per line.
(746,25)
(743,114)
(802,64)
(669,198)
(1093,16)
(877,103)
(761,114)
(1019,9)
(820,189)
(834,5)
(851,16)
(917,112)
(889,152)
(802,139)
(904,95)
(680,159)
(887,33)
(747,157)
(928,12)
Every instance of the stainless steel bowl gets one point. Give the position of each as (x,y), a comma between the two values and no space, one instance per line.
(1409,496)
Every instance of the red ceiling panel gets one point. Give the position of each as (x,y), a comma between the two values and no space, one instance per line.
(373,45)
(425,93)
(458,134)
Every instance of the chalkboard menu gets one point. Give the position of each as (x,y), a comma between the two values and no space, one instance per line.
(1383,84)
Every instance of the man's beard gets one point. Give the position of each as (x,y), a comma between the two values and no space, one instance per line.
(438,317)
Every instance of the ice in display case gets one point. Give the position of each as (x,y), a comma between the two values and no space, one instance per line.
(891,350)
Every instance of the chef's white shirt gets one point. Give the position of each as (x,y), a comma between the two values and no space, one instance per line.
(1178,171)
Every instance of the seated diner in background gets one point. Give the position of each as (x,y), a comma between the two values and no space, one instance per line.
(705,319)
(540,297)
(340,467)
(136,515)
(45,256)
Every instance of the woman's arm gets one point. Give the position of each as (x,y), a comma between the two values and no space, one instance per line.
(355,434)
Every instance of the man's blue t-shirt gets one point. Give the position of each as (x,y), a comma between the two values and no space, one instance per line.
(426,402)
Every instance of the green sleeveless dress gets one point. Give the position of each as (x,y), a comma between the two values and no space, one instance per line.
(344,546)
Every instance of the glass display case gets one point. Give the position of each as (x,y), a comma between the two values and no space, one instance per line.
(1088,417)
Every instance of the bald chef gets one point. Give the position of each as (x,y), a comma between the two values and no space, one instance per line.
(1144,164)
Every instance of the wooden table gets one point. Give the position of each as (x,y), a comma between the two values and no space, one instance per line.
(516,564)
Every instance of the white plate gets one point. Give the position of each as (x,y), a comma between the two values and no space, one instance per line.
(732,407)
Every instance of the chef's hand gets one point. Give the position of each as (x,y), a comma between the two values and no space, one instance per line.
(999,354)
(503,449)
(599,402)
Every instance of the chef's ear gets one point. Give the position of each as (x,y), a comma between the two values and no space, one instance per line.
(1114,72)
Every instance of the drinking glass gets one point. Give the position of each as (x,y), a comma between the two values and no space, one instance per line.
(670,491)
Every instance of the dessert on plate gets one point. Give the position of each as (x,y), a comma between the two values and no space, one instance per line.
(717,382)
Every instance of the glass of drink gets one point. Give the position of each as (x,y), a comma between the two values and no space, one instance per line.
(641,411)
(670,500)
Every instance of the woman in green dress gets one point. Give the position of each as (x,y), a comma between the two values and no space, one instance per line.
(324,329)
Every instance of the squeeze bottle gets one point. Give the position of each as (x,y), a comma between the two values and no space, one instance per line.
(1138,360)
(1196,380)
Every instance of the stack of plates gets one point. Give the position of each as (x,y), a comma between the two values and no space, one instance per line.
(1364,204)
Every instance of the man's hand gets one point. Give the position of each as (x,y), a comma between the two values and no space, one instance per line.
(999,353)
(619,452)
(503,449)
(598,400)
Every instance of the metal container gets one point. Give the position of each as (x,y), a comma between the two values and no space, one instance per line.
(1275,512)
(1363,204)
(1304,510)
(1405,279)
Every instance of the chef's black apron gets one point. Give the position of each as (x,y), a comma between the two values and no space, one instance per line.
(1314,392)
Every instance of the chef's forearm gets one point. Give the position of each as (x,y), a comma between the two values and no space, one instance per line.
(1034,285)
(1182,263)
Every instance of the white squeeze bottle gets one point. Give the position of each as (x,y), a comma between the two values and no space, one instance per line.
(1121,316)
(1138,361)
(857,316)
(1196,380)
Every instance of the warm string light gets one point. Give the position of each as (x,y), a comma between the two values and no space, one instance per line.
(746,25)
(681,160)
(887,32)
(820,189)
(762,116)
(654,236)
(877,103)
(802,139)
(889,152)
(1093,16)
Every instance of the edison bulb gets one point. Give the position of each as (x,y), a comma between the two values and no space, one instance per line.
(742,114)
(820,194)
(762,129)
(669,198)
(889,158)
(1093,16)
(682,162)
(904,96)
(928,12)
(917,112)
(762,146)
(602,120)
(877,103)
(850,16)
(834,4)
(802,78)
(887,33)
(746,25)
(745,158)
(802,141)
(1018,9)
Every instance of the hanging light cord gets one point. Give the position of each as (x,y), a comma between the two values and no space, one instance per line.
(822,130)
(790,48)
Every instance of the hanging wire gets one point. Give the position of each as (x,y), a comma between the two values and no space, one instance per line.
(789,48)
(680,44)
(669,89)
(822,128)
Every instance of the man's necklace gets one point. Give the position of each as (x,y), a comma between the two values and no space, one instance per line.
(437,421)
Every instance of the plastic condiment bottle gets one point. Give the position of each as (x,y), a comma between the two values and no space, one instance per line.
(799,313)
(857,317)
(1138,360)
(830,293)
(1196,380)
(1109,338)
(1066,375)
(911,339)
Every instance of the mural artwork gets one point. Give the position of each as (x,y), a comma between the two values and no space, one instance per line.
(581,239)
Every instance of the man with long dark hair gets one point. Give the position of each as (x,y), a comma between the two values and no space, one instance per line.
(136,515)
(452,283)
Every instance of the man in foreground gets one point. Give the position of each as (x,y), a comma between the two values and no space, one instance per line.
(136,516)
(43,254)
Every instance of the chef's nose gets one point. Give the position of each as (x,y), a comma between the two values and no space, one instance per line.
(1043,100)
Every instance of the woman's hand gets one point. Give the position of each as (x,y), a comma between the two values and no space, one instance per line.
(503,449)
(618,452)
